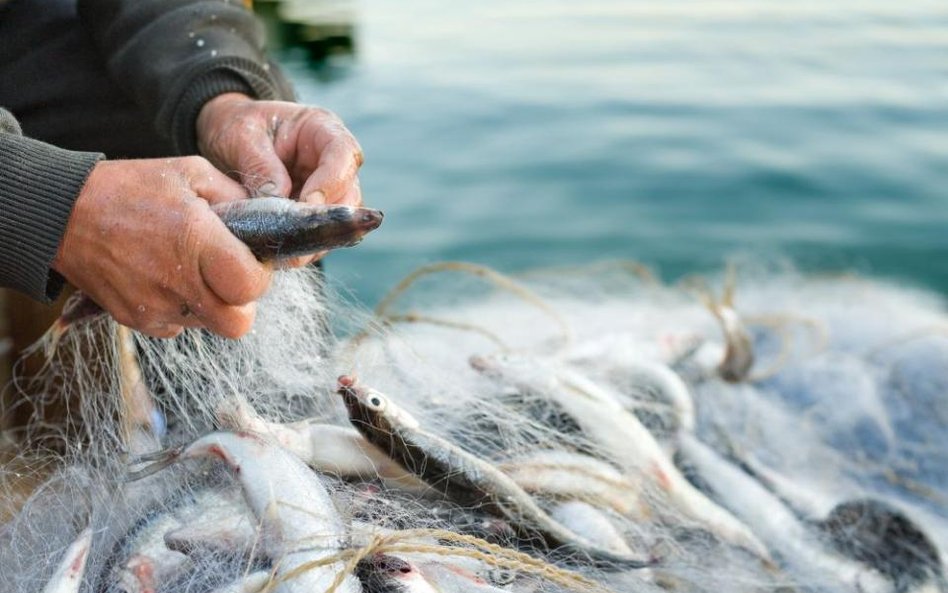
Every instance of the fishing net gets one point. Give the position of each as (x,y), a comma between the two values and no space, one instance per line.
(600,392)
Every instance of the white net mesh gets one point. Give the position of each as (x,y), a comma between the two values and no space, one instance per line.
(596,392)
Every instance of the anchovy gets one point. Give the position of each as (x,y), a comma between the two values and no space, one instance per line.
(273,228)
(461,476)
(292,505)
(622,437)
(68,575)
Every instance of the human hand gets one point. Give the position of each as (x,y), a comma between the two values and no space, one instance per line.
(143,243)
(282,148)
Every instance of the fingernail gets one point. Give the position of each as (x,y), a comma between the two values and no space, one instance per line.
(265,190)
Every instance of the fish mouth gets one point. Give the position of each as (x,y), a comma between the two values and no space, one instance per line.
(353,397)
(368,219)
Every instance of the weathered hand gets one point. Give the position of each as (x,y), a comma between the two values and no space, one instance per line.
(304,152)
(282,148)
(143,242)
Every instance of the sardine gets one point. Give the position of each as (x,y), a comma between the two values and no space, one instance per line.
(592,524)
(622,437)
(461,476)
(292,506)
(68,575)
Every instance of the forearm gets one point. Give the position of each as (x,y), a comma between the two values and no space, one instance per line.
(172,56)
(39,184)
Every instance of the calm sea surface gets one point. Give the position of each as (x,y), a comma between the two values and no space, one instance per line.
(523,133)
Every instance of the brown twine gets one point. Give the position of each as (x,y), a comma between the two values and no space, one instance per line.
(492,276)
(484,551)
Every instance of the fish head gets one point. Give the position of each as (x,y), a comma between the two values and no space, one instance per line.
(346,224)
(371,409)
(390,574)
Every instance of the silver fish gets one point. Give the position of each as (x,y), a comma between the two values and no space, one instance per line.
(461,476)
(292,506)
(68,575)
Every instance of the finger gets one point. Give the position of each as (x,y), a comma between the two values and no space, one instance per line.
(228,321)
(353,197)
(338,166)
(161,330)
(202,308)
(227,266)
(303,260)
(212,185)
(261,169)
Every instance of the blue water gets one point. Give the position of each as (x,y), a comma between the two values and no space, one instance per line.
(521,133)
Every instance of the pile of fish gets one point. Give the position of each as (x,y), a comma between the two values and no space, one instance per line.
(539,436)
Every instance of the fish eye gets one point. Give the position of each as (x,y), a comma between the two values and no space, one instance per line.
(501,577)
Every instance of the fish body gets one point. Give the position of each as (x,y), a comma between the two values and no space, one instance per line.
(277,228)
(232,534)
(886,539)
(252,583)
(592,524)
(336,450)
(564,475)
(143,424)
(867,530)
(621,436)
(143,562)
(292,505)
(461,476)
(778,525)
(68,575)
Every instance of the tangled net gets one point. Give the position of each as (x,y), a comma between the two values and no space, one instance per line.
(599,392)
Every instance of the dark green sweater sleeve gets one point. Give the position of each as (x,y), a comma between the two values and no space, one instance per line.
(38,185)
(172,56)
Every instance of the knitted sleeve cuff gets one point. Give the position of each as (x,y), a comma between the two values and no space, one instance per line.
(39,184)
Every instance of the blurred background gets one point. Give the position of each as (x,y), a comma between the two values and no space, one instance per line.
(523,133)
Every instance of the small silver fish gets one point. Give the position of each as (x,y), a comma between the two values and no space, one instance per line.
(295,511)
(68,575)
(461,476)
